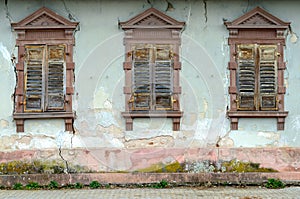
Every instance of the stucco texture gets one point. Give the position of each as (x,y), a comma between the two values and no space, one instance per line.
(100,140)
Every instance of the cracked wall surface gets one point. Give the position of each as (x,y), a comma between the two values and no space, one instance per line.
(100,140)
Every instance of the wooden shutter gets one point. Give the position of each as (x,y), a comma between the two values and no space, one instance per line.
(163,78)
(141,79)
(55,78)
(246,77)
(33,99)
(268,77)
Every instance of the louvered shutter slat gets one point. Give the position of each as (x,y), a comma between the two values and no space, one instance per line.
(163,74)
(246,77)
(141,79)
(55,78)
(34,78)
(267,77)
(163,78)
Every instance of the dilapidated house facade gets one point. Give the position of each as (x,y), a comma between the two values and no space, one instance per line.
(125,85)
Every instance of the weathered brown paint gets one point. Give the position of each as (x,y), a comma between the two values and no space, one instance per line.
(257,27)
(153,28)
(45,27)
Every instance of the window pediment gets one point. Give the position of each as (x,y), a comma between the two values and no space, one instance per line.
(257,18)
(44,18)
(152,18)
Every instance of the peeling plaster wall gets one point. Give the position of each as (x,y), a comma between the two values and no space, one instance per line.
(99,79)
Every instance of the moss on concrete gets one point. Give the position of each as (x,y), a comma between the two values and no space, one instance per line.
(36,167)
(206,167)
(241,167)
(174,167)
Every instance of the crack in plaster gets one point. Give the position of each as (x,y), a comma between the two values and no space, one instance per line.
(66,162)
(150,3)
(294,36)
(8,16)
(188,15)
(60,142)
(246,10)
(72,140)
(71,16)
(13,96)
(205,10)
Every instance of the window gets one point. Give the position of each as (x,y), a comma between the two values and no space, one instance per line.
(256,66)
(44,78)
(152,77)
(152,67)
(257,77)
(45,68)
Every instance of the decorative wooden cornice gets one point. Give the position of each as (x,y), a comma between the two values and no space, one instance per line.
(152,18)
(44,18)
(257,18)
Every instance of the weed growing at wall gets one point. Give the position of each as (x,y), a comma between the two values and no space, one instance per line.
(95,184)
(162,184)
(32,185)
(78,185)
(274,184)
(17,186)
(53,185)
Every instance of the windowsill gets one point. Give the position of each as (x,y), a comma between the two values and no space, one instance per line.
(130,115)
(260,114)
(43,115)
(235,115)
(148,114)
(67,116)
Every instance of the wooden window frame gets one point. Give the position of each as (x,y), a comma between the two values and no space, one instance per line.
(257,27)
(44,27)
(152,27)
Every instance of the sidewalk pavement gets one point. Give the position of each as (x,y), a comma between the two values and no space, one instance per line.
(170,193)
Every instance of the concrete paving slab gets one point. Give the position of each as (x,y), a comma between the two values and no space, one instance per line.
(171,193)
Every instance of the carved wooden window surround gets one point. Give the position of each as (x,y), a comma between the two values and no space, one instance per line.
(152,67)
(45,68)
(256,66)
